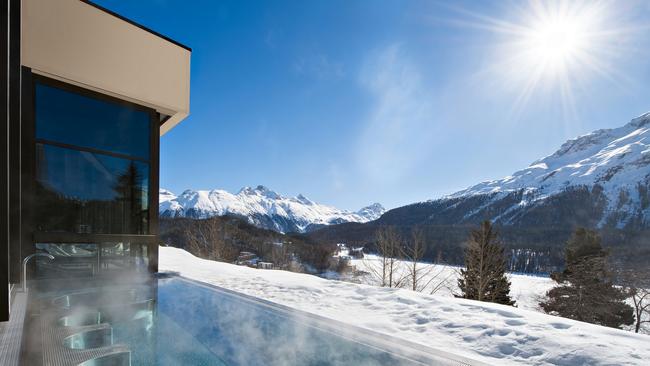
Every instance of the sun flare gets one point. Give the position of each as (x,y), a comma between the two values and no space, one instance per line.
(555,48)
(558,40)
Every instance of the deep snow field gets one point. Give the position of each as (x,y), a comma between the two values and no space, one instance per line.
(491,333)
(442,280)
(526,290)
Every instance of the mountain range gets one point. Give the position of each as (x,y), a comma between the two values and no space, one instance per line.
(263,208)
(600,180)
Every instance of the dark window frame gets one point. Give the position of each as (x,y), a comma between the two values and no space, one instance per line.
(30,236)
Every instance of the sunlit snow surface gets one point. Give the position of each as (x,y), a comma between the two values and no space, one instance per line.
(526,290)
(492,333)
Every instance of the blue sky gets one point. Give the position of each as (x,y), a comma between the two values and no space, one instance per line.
(354,102)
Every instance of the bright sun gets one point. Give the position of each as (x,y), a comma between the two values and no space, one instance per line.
(555,48)
(557,40)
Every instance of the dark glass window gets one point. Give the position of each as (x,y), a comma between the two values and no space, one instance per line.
(70,118)
(83,192)
(90,259)
(92,163)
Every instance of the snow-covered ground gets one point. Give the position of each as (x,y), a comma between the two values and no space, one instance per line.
(442,280)
(487,332)
(526,290)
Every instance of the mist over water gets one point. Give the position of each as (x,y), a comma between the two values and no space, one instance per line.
(171,321)
(243,333)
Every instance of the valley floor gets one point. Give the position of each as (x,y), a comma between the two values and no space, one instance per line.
(491,333)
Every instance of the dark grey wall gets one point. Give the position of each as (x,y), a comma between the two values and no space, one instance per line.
(9,148)
(15,254)
(4,161)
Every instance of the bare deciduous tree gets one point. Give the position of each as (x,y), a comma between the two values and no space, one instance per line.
(280,255)
(413,254)
(388,270)
(637,285)
(641,299)
(207,239)
(423,276)
(439,277)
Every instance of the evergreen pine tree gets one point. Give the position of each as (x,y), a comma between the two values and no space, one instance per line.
(483,277)
(585,290)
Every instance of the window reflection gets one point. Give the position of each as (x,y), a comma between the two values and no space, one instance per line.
(75,119)
(92,169)
(88,260)
(71,260)
(83,192)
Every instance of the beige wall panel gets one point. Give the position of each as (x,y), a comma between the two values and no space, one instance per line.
(78,42)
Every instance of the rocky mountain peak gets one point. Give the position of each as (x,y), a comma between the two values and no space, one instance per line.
(262,207)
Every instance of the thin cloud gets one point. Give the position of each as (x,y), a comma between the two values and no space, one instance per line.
(400,127)
(271,38)
(319,66)
(336,176)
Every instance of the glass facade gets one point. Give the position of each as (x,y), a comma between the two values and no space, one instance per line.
(83,192)
(91,199)
(79,176)
(91,259)
(70,118)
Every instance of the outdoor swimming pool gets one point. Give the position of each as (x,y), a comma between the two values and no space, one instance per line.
(175,321)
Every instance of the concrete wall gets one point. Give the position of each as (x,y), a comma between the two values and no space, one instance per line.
(80,44)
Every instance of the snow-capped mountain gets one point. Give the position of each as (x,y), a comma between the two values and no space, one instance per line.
(612,164)
(601,179)
(262,207)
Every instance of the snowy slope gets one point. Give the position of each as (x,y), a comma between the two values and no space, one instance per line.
(600,181)
(443,280)
(495,334)
(527,290)
(610,163)
(165,196)
(262,207)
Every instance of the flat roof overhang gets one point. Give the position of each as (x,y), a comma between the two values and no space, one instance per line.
(85,45)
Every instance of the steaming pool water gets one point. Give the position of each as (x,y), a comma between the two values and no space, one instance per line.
(176,321)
